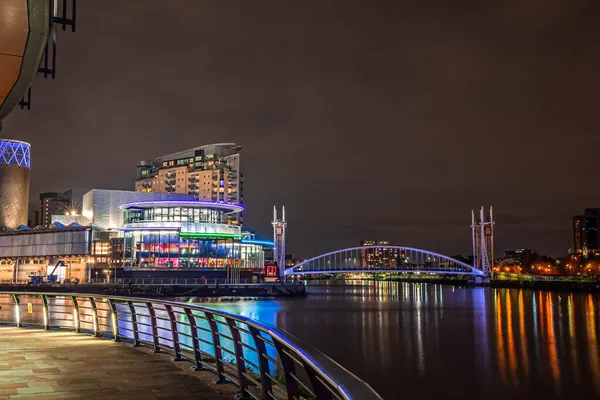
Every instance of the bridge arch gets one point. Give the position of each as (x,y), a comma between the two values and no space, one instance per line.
(399,259)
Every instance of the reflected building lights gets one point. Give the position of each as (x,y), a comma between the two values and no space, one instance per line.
(512,358)
(523,335)
(499,336)
(573,341)
(552,346)
(593,340)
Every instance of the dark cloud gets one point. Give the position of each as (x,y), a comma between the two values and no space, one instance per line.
(387,119)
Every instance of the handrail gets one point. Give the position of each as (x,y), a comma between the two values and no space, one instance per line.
(263,361)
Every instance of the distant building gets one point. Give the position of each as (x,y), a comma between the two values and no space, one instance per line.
(53,203)
(291,260)
(379,257)
(34,218)
(210,172)
(517,257)
(585,232)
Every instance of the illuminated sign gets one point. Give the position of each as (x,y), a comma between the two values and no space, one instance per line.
(271,271)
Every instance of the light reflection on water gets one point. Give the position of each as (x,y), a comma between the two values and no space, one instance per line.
(431,340)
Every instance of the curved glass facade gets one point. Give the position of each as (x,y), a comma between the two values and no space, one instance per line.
(173,214)
(185,235)
(168,249)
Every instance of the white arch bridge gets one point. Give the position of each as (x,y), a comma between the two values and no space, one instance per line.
(382,259)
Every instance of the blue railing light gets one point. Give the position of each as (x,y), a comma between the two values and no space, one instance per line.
(15,152)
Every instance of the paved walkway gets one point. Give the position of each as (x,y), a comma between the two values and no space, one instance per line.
(38,364)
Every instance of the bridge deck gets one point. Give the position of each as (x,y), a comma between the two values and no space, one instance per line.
(53,365)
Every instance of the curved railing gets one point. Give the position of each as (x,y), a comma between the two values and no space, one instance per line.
(263,361)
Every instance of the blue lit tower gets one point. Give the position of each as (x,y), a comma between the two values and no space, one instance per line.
(279,239)
(14,182)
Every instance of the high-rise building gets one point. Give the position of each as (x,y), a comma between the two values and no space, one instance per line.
(53,203)
(210,172)
(585,232)
(14,182)
(376,257)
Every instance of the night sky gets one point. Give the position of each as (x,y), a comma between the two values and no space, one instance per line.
(367,119)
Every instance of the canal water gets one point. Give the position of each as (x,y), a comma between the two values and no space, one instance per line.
(409,339)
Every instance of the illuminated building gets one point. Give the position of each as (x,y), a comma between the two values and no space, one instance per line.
(378,257)
(137,234)
(51,204)
(14,183)
(186,234)
(210,172)
(585,232)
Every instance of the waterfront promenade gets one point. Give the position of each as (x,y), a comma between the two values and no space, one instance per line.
(39,364)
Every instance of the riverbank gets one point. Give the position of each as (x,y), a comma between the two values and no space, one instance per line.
(167,290)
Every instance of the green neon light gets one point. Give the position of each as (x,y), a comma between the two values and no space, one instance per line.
(210,235)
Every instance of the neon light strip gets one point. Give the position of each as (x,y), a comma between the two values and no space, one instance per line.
(261,242)
(230,208)
(211,235)
(149,228)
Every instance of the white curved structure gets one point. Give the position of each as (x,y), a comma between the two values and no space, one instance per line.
(399,259)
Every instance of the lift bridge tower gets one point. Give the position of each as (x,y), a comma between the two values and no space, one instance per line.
(483,242)
(279,239)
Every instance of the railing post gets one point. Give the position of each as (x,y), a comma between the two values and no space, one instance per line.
(76,322)
(134,325)
(320,389)
(217,348)
(239,354)
(114,319)
(263,362)
(194,334)
(174,333)
(94,315)
(17,310)
(288,368)
(154,327)
(45,310)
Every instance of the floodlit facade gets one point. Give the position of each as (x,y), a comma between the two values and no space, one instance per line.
(137,233)
(210,172)
(15,164)
(186,234)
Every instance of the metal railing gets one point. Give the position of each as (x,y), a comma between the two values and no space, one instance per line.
(263,361)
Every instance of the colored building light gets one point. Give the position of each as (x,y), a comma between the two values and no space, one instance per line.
(210,235)
(266,243)
(230,208)
(14,152)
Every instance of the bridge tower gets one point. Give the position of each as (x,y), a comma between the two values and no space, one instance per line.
(279,239)
(483,241)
